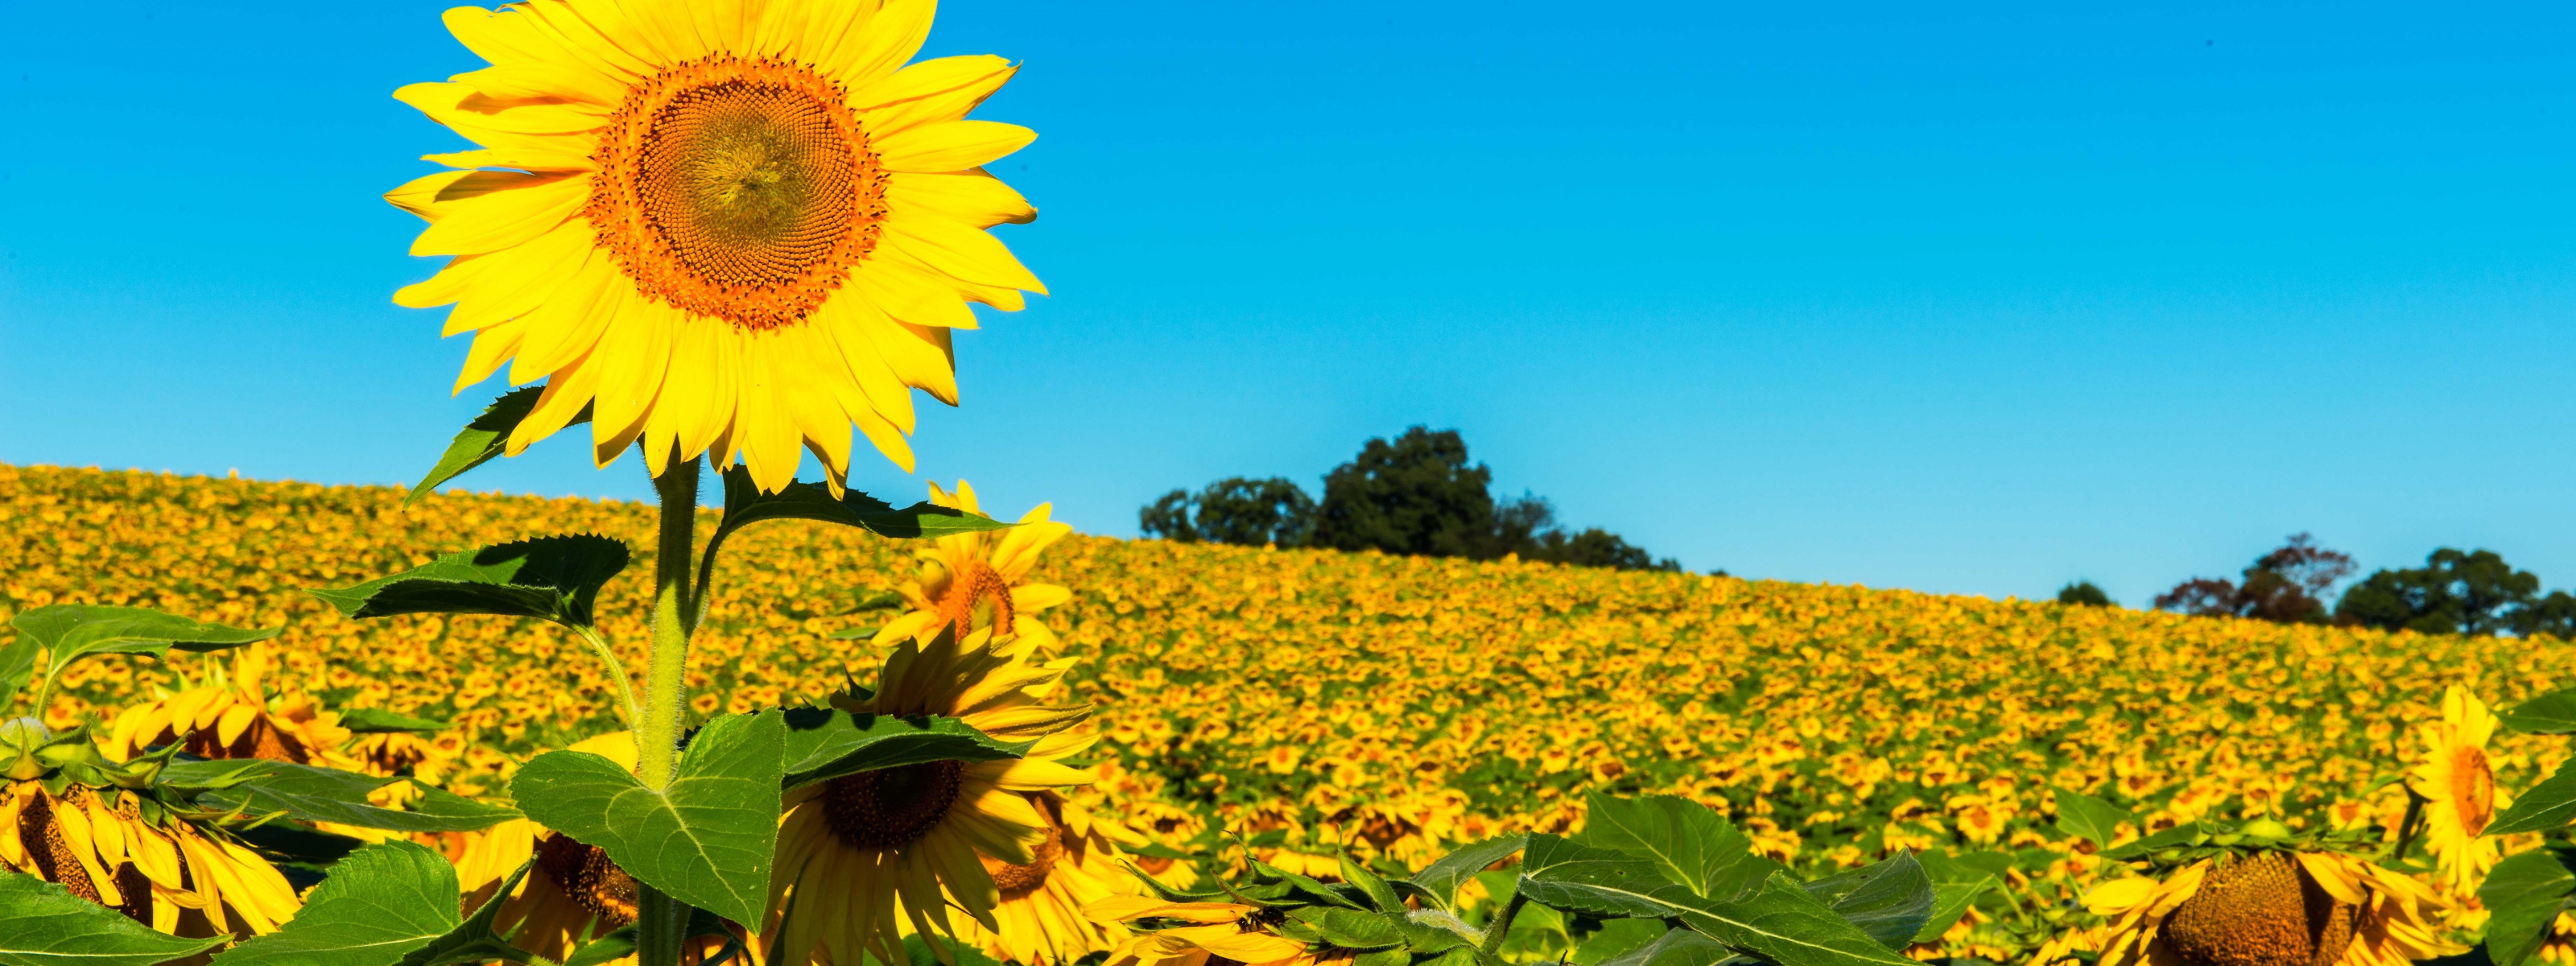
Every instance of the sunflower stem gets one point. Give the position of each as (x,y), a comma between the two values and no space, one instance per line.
(661,927)
(1502,924)
(661,921)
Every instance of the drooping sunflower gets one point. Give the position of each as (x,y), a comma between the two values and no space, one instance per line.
(722,227)
(1040,912)
(851,849)
(112,847)
(2459,789)
(234,716)
(981,579)
(1217,931)
(2271,909)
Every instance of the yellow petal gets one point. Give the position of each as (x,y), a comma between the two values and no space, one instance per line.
(945,146)
(941,89)
(499,219)
(975,198)
(871,44)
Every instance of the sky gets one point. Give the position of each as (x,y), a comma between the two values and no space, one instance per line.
(1977,299)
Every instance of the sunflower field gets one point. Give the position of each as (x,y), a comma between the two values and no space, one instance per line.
(1313,702)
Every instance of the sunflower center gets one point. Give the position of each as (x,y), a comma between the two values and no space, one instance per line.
(2262,910)
(977,596)
(2473,790)
(891,807)
(1015,881)
(586,874)
(740,189)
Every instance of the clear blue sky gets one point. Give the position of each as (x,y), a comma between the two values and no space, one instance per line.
(1977,300)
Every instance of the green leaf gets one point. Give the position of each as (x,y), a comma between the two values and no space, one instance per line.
(1779,922)
(2090,818)
(1691,843)
(1950,900)
(261,787)
(2549,714)
(1445,874)
(372,720)
(69,632)
(1562,874)
(620,943)
(2548,805)
(1618,937)
(1351,928)
(17,663)
(1890,899)
(746,505)
(1311,887)
(705,840)
(826,743)
(43,924)
(2186,833)
(1370,884)
(2524,895)
(483,439)
(1676,947)
(919,953)
(553,578)
(380,904)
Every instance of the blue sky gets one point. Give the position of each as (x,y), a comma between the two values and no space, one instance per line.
(1978,299)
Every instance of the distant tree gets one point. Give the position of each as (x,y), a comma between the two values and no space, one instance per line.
(2288,585)
(1416,495)
(1233,510)
(1596,547)
(2083,592)
(2554,615)
(2455,593)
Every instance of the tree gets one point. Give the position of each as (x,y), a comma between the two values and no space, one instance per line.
(1416,495)
(1233,510)
(2083,592)
(1596,547)
(2287,586)
(2456,593)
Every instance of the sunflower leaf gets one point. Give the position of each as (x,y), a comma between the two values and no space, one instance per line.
(2548,805)
(1676,947)
(258,786)
(483,439)
(1445,874)
(1890,900)
(827,743)
(373,720)
(1779,921)
(1617,938)
(1689,842)
(2549,714)
(705,840)
(746,505)
(380,904)
(552,578)
(69,632)
(2090,818)
(1950,900)
(2524,894)
(43,924)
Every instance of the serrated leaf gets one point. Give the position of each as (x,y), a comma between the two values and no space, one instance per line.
(2548,805)
(43,924)
(17,663)
(2523,895)
(1676,947)
(2549,714)
(552,578)
(826,743)
(2090,818)
(1617,938)
(1950,900)
(1445,874)
(1351,928)
(484,438)
(1562,874)
(1691,843)
(1779,922)
(375,720)
(746,505)
(1370,884)
(262,787)
(380,904)
(705,840)
(69,632)
(1890,899)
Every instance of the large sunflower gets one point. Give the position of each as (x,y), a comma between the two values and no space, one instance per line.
(2459,789)
(2271,909)
(113,848)
(722,227)
(852,848)
(981,579)
(1041,917)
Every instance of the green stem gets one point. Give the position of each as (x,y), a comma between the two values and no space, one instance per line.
(1502,924)
(660,921)
(616,672)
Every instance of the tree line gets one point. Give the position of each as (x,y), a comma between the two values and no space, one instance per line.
(1415,495)
(2455,592)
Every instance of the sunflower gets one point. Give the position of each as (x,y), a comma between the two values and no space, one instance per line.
(2458,786)
(1042,923)
(730,228)
(1217,930)
(981,579)
(2271,909)
(235,717)
(111,847)
(851,848)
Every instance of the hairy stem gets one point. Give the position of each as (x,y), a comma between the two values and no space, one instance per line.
(660,921)
(1502,923)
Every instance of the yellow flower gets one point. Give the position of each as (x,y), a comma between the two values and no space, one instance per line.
(1218,931)
(571,895)
(2459,789)
(972,580)
(1040,912)
(851,847)
(735,229)
(2271,909)
(235,718)
(164,873)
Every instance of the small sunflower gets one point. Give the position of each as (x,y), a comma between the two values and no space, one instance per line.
(113,848)
(1042,923)
(573,895)
(2271,909)
(2459,789)
(234,716)
(734,230)
(981,579)
(853,848)
(1217,932)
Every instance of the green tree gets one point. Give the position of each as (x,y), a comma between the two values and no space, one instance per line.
(2288,586)
(2083,592)
(1233,510)
(1416,495)
(2456,593)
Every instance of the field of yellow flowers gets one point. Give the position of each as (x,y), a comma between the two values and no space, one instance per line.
(1397,705)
